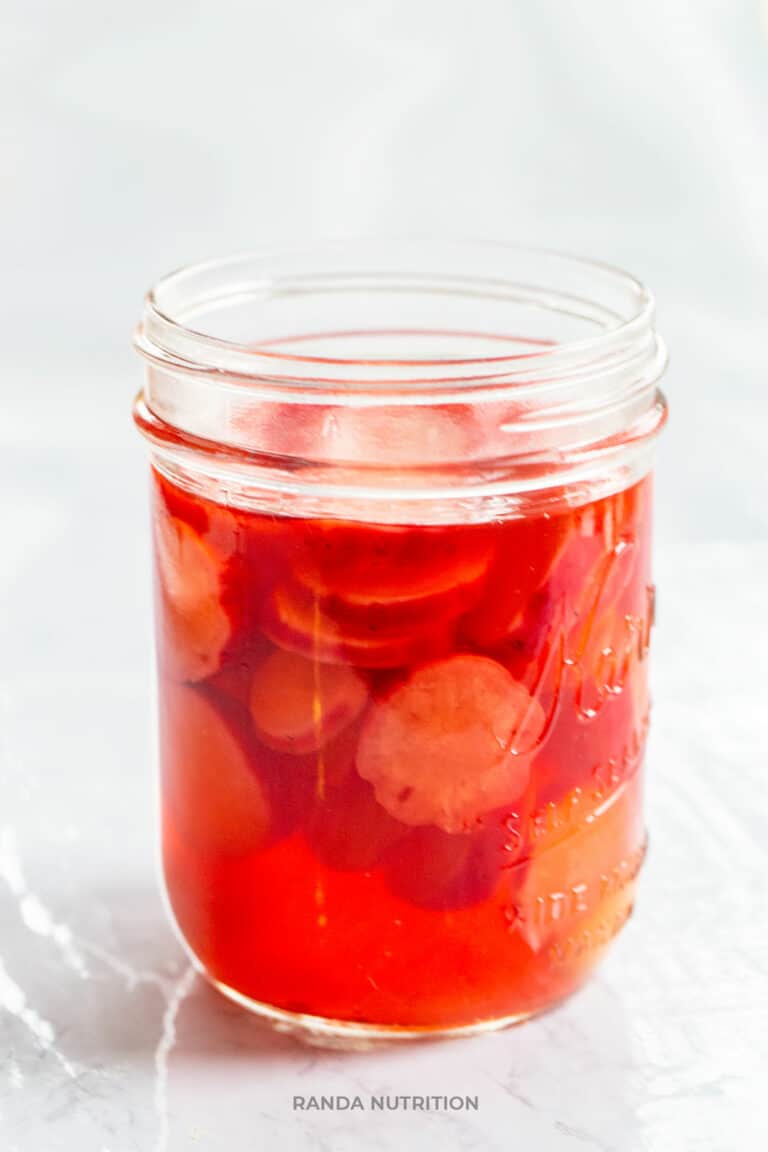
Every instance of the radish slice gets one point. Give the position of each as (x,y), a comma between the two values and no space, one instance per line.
(215,798)
(612,652)
(296,621)
(194,627)
(432,869)
(580,854)
(383,564)
(525,554)
(298,705)
(599,593)
(454,742)
(348,830)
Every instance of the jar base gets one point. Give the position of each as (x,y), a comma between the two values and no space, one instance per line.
(347,1035)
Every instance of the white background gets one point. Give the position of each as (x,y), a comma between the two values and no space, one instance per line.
(138,136)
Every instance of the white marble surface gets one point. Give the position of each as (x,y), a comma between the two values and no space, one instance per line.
(108,1043)
(634,133)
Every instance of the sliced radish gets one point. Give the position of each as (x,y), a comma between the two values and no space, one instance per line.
(525,553)
(534,655)
(451,744)
(348,830)
(216,524)
(582,851)
(380,563)
(598,593)
(602,670)
(215,797)
(194,627)
(296,620)
(232,682)
(298,705)
(592,743)
(391,616)
(604,565)
(289,783)
(189,570)
(432,869)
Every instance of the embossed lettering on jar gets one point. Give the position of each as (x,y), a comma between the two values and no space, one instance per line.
(401,506)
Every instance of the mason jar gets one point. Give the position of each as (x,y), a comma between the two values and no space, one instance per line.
(401,511)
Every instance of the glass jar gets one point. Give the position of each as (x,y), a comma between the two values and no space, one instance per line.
(401,517)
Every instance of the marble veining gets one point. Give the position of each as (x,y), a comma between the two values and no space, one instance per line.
(176,997)
(34,914)
(14,1001)
(109,1042)
(38,919)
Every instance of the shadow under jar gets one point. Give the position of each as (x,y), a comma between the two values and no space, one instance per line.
(401,517)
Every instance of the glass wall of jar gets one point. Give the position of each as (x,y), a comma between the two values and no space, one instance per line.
(401,519)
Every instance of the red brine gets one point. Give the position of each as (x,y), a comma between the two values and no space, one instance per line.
(401,763)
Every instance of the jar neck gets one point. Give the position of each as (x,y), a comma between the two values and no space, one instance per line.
(511,379)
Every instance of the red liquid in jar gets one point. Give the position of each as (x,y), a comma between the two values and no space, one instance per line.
(401,763)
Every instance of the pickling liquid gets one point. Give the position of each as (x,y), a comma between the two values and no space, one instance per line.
(401,764)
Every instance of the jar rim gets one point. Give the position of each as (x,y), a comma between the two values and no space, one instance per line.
(556,413)
(169,333)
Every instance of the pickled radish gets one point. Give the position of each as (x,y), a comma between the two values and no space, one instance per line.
(613,653)
(598,591)
(582,851)
(216,798)
(523,558)
(348,830)
(432,869)
(179,504)
(452,743)
(298,705)
(214,523)
(301,623)
(392,615)
(404,786)
(381,563)
(289,785)
(195,626)
(608,650)
(232,681)
(291,782)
